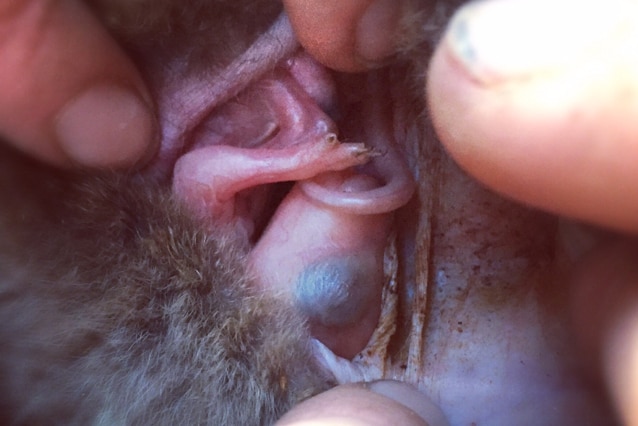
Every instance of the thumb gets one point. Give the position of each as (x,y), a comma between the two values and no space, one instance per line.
(537,98)
(68,94)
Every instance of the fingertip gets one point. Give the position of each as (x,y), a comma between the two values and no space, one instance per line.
(499,40)
(412,398)
(377,403)
(348,36)
(556,131)
(69,95)
(375,36)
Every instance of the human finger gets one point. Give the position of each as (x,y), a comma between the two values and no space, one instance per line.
(378,403)
(348,36)
(68,93)
(538,99)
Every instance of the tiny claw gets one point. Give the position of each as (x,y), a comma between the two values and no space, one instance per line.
(366,152)
(358,146)
(332,139)
(363,153)
(360,149)
(375,153)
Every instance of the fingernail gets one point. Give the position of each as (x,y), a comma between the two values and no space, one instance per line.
(503,39)
(106,126)
(376,32)
(412,398)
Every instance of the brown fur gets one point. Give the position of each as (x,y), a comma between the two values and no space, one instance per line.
(197,30)
(115,311)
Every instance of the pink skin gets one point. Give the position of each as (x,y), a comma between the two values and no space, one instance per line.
(184,100)
(306,232)
(298,142)
(488,339)
(323,249)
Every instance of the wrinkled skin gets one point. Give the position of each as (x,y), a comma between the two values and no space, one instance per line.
(480,323)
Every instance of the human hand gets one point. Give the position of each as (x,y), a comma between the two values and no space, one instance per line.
(68,94)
